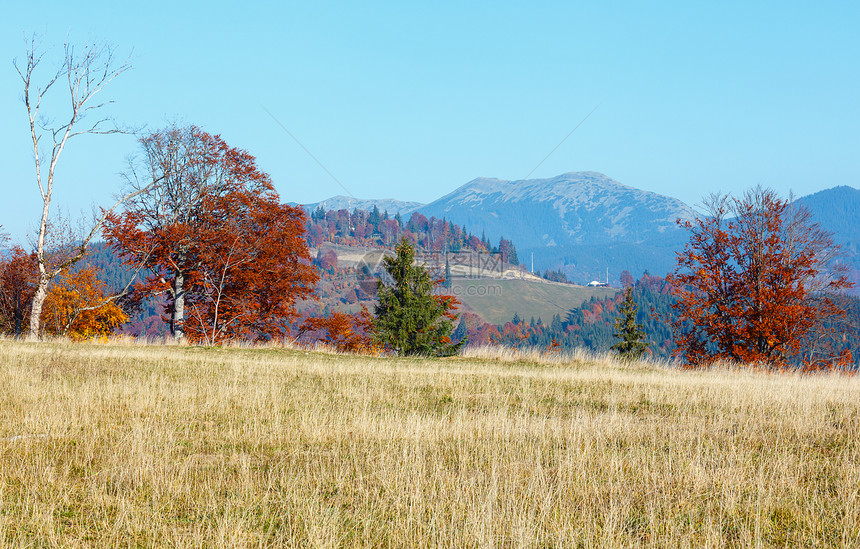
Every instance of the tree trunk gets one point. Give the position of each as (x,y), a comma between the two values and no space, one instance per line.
(36,309)
(178,320)
(44,279)
(18,318)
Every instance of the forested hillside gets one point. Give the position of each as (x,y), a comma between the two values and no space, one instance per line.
(592,324)
(375,228)
(837,210)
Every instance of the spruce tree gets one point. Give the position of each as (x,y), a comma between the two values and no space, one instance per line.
(631,347)
(318,214)
(409,319)
(375,217)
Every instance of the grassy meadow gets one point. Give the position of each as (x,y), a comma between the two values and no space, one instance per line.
(106,445)
(497,300)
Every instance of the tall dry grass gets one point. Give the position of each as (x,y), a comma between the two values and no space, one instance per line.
(121,445)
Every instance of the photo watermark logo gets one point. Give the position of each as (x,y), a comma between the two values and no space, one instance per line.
(370,269)
(470,265)
(464,274)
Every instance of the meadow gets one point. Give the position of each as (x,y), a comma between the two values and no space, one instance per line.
(117,444)
(498,300)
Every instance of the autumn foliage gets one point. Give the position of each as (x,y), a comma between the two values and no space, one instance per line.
(19,275)
(229,257)
(345,332)
(756,284)
(377,229)
(77,306)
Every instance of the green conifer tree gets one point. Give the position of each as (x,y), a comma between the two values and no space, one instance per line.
(409,319)
(375,217)
(631,347)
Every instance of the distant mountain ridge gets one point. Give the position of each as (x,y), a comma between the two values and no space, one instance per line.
(349,203)
(580,208)
(585,223)
(837,210)
(581,222)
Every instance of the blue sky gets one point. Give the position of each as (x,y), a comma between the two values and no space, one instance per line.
(412,101)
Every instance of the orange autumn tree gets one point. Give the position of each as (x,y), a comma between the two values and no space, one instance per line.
(755,283)
(79,307)
(345,332)
(229,257)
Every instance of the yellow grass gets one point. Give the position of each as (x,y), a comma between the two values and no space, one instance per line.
(122,445)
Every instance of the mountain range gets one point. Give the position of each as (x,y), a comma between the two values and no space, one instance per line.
(582,223)
(350,203)
(587,224)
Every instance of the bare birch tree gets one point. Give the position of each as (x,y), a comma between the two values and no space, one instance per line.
(86,72)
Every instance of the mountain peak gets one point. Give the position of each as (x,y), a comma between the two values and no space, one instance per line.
(553,216)
(568,192)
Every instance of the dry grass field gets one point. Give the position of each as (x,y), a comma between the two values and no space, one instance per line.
(111,445)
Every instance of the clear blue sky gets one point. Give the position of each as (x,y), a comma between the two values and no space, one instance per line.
(412,101)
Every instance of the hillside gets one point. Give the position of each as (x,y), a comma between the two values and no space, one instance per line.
(122,445)
(497,301)
(838,211)
(584,223)
(495,293)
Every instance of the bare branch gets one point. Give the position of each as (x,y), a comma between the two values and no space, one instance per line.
(82,247)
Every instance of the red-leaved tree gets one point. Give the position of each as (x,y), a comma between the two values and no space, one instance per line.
(19,275)
(216,239)
(756,284)
(346,333)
